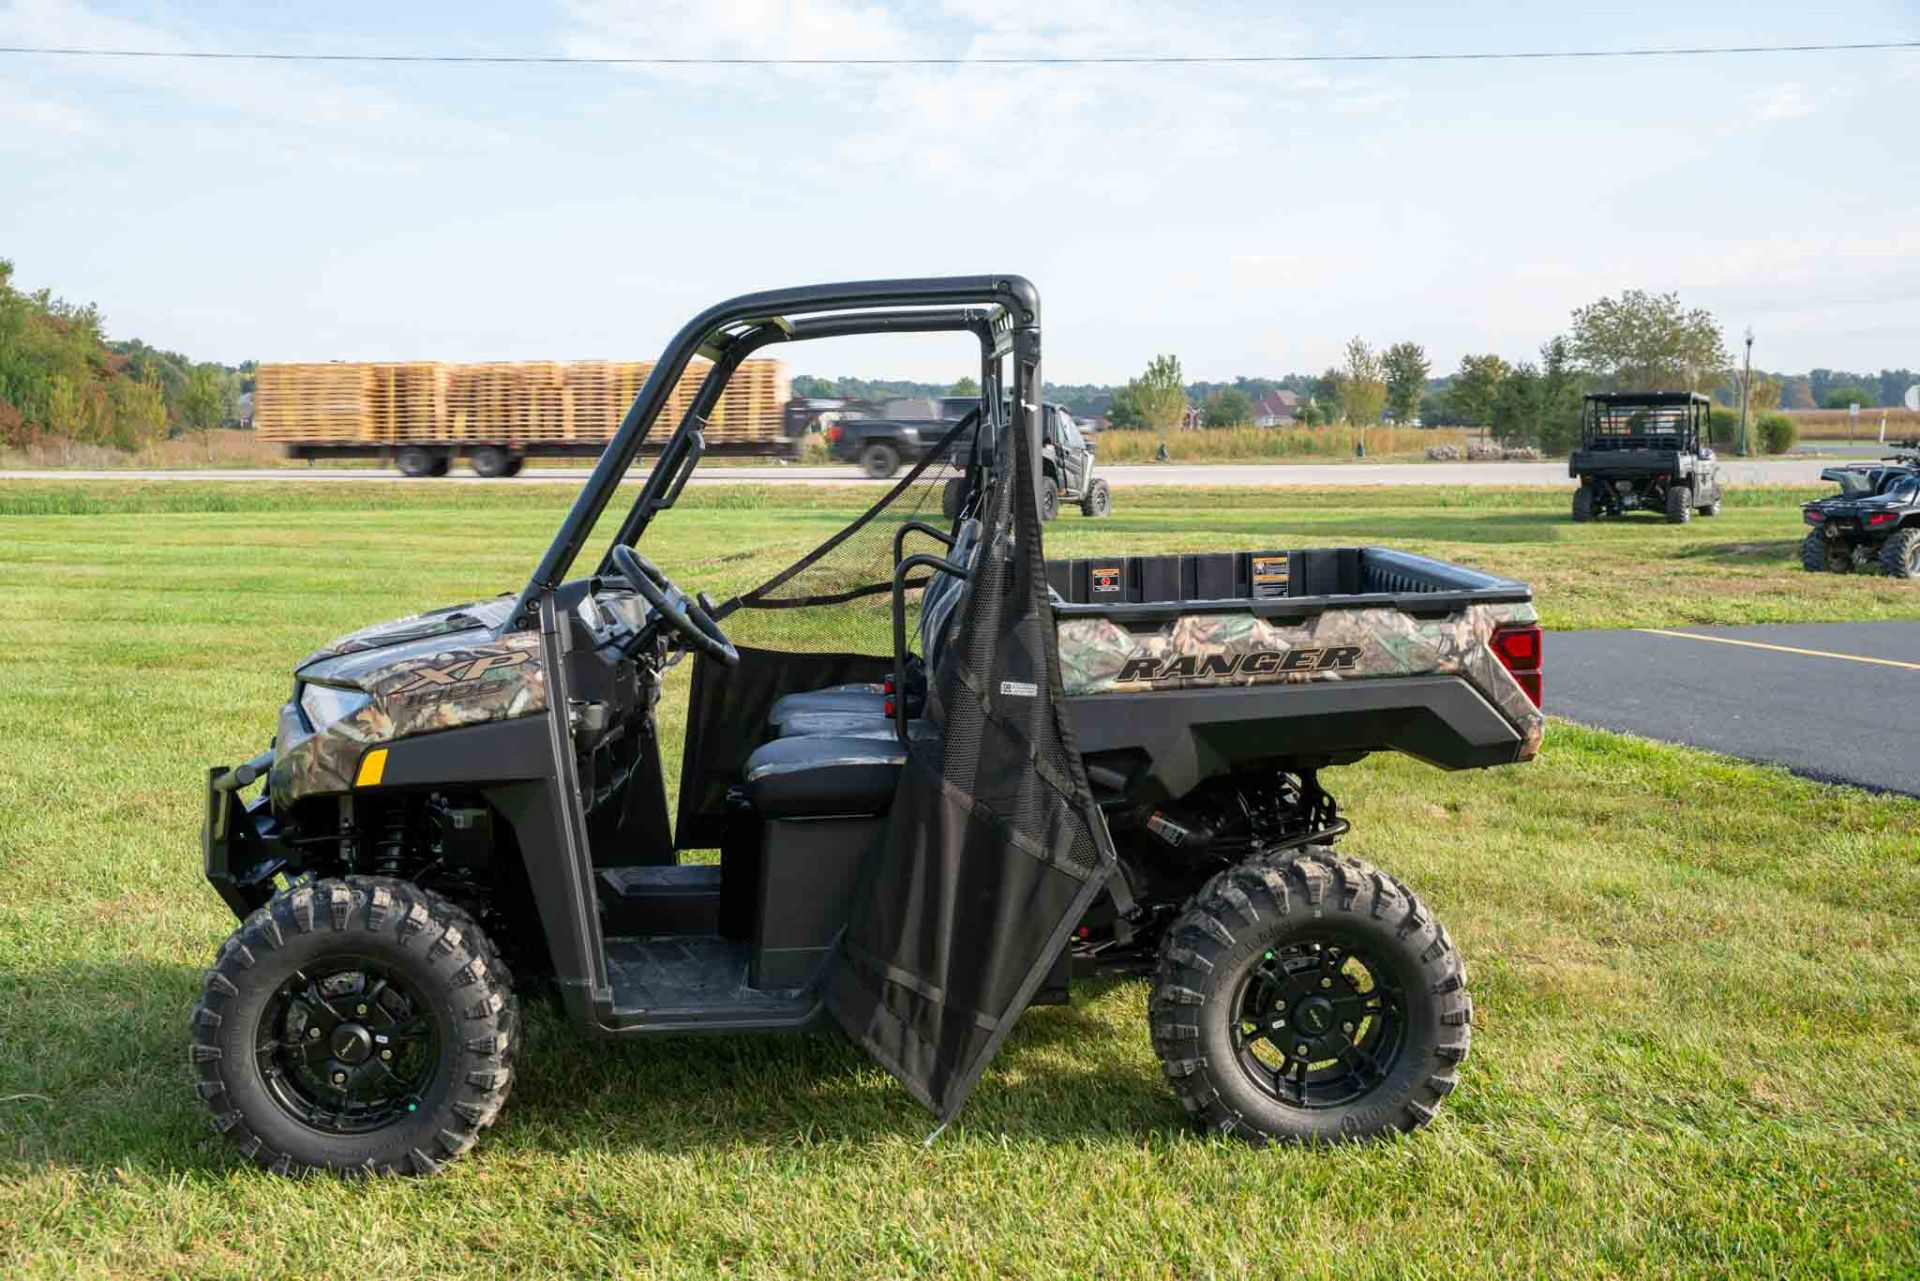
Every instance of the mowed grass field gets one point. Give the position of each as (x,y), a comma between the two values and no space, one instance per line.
(1697,982)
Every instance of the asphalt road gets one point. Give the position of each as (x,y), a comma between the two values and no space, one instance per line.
(1839,702)
(1772,471)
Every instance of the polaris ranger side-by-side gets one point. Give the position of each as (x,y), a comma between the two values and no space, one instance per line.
(1872,523)
(1645,451)
(944,776)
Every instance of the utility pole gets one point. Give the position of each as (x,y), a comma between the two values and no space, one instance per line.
(1746,393)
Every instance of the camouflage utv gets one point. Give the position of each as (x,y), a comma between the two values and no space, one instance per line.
(944,776)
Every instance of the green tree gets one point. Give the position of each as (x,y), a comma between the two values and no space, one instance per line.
(1360,392)
(1644,342)
(1405,366)
(1227,407)
(964,386)
(1470,398)
(1562,388)
(1155,401)
(1515,412)
(1841,397)
(203,403)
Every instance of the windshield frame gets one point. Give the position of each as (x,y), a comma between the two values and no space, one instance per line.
(1002,311)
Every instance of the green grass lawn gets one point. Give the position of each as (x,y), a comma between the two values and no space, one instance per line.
(1697,982)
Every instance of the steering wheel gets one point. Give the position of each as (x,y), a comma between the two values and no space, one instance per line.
(680,610)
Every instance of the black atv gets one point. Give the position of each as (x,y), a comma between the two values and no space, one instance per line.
(944,776)
(1873,521)
(1645,451)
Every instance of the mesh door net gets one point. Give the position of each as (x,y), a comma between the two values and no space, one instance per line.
(825,620)
(993,848)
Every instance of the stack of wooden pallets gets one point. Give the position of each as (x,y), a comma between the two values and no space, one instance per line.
(332,404)
(507,403)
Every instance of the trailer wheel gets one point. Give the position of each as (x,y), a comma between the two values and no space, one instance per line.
(1582,505)
(1819,556)
(1098,501)
(1679,504)
(1900,554)
(880,460)
(490,462)
(357,1026)
(416,461)
(1309,998)
(516,466)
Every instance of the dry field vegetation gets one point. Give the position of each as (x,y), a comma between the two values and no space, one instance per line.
(1697,1012)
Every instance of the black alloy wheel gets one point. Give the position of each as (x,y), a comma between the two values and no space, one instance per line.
(1320,1023)
(348,1047)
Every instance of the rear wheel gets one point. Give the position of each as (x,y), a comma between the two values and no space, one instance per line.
(1900,554)
(953,495)
(416,461)
(880,460)
(1098,500)
(490,462)
(1309,998)
(1679,505)
(1820,554)
(359,1026)
(1049,499)
(1582,505)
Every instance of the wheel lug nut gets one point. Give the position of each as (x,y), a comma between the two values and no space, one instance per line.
(1300,1050)
(359,1009)
(339,1078)
(386,1054)
(1346,1027)
(313,1034)
(1326,982)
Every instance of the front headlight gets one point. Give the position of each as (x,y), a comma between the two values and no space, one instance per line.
(323,704)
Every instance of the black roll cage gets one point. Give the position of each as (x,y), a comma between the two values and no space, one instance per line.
(1003,312)
(1596,405)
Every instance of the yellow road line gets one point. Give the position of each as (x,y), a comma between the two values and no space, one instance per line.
(1783,649)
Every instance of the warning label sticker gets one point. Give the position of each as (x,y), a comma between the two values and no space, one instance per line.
(1269,577)
(1104,578)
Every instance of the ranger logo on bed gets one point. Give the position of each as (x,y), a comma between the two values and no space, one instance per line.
(1144,666)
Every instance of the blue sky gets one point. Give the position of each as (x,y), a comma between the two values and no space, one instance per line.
(1248,219)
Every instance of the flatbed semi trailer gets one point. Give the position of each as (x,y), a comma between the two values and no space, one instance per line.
(422,416)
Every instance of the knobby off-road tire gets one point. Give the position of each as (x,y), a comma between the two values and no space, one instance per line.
(1710,509)
(1274,911)
(1817,556)
(1049,500)
(1900,555)
(1582,505)
(1679,504)
(1098,501)
(332,982)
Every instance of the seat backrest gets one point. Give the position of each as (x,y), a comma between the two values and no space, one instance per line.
(941,600)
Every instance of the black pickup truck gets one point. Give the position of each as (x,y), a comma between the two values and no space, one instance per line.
(909,430)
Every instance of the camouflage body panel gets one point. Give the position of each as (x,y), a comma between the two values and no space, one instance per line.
(429,683)
(1209,650)
(487,614)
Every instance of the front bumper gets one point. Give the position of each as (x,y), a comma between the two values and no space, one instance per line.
(241,840)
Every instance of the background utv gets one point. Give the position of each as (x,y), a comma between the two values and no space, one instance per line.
(944,774)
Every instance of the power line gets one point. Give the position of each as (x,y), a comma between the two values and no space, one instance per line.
(1122,60)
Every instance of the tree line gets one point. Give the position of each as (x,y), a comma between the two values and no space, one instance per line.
(61,379)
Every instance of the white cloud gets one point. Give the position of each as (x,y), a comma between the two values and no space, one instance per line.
(1782,102)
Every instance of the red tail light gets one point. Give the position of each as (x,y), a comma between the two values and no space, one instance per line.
(1520,650)
(1814,517)
(833,435)
(886,686)
(1883,518)
(888,709)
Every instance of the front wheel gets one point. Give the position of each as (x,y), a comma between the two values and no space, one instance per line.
(357,1026)
(1098,501)
(1308,997)
(1582,505)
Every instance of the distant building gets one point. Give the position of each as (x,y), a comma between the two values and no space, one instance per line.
(1276,409)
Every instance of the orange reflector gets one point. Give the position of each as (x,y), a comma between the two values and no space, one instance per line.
(373,767)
